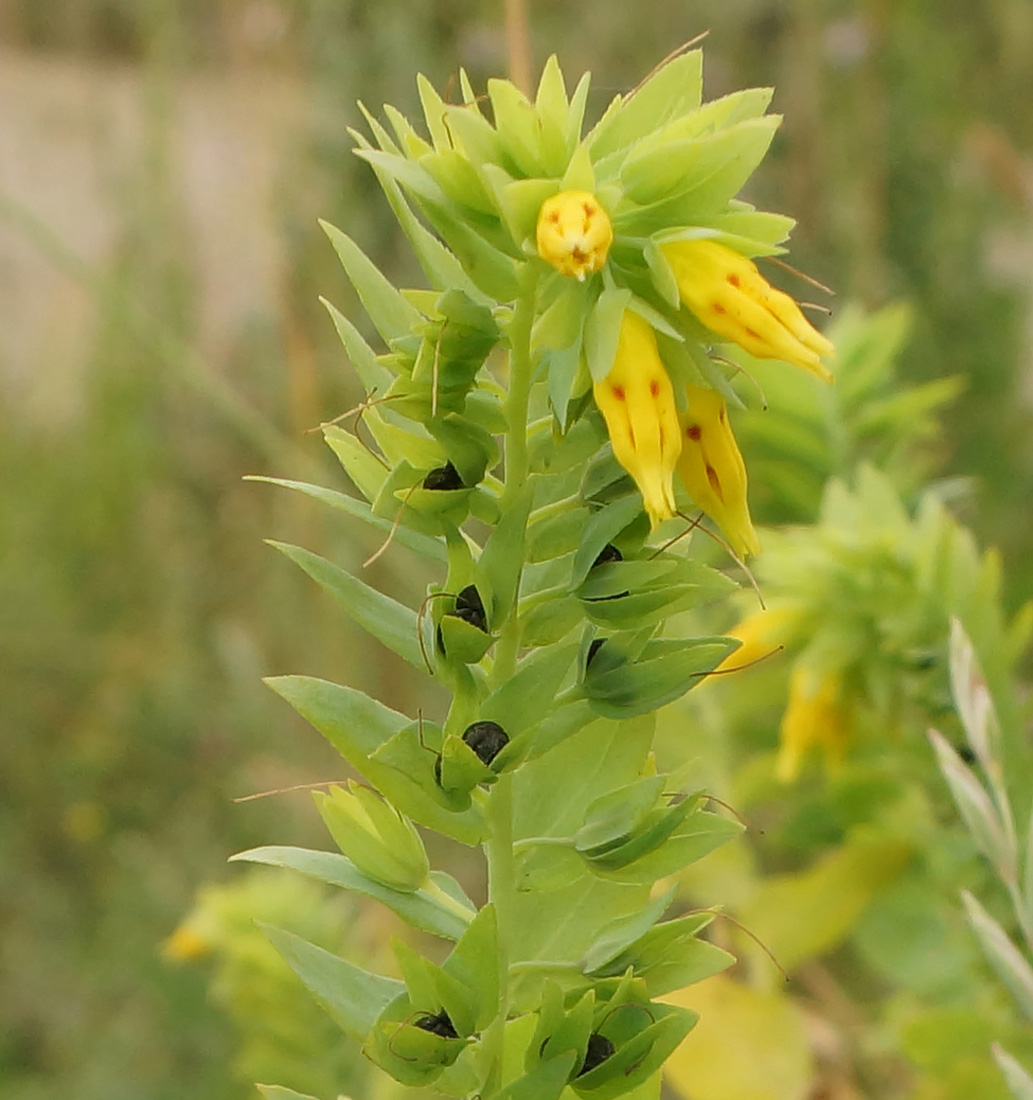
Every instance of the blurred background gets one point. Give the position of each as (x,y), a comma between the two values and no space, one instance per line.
(162,167)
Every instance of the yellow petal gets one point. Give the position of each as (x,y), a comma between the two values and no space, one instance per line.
(816,715)
(712,469)
(637,401)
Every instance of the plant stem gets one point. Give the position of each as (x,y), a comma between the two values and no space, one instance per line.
(499,809)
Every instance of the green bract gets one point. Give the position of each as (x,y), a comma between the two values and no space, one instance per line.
(549,603)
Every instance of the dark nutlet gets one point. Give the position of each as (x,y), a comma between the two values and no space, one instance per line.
(443,478)
(609,553)
(599,1049)
(440,1025)
(487,739)
(593,649)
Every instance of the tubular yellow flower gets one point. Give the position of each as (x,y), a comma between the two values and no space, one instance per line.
(574,233)
(637,401)
(816,715)
(760,633)
(712,468)
(729,295)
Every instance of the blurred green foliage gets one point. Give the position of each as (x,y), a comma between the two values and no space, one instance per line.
(137,604)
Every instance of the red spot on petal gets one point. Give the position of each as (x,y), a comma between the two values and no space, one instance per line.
(718,308)
(654,388)
(732,279)
(749,332)
(694,431)
(618,392)
(715,482)
(554,218)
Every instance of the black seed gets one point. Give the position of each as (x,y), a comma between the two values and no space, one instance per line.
(470,599)
(593,649)
(599,1049)
(442,1026)
(487,739)
(444,477)
(608,554)
(470,609)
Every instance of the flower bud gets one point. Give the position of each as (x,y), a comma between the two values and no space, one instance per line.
(574,233)
(382,843)
(729,295)
(637,402)
(712,468)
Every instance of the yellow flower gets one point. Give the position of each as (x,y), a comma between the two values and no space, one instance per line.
(712,468)
(817,714)
(637,401)
(729,295)
(760,633)
(574,233)
(186,944)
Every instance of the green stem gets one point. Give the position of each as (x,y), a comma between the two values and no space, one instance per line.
(501,893)
(499,809)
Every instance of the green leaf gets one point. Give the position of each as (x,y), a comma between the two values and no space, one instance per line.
(601,529)
(672,91)
(372,373)
(367,471)
(357,726)
(1010,964)
(502,559)
(474,961)
(1019,1082)
(529,695)
(624,931)
(390,622)
(353,996)
(697,836)
(278,1092)
(429,912)
(430,548)
(545,1082)
(387,308)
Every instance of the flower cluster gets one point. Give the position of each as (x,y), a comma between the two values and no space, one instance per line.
(646,258)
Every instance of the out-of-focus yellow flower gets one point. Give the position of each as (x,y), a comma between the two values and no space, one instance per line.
(185,945)
(637,401)
(760,633)
(712,468)
(817,714)
(574,233)
(729,295)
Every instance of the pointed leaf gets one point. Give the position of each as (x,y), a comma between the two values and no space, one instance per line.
(429,912)
(353,996)
(1010,964)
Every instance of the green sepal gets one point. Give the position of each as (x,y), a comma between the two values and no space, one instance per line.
(419,908)
(520,201)
(432,987)
(449,505)
(545,1082)
(408,1053)
(604,527)
(353,996)
(561,1029)
(462,641)
(409,443)
(357,726)
(461,768)
(664,671)
(696,836)
(669,956)
(390,622)
(602,330)
(420,761)
(469,447)
(620,934)
(392,315)
(639,1051)
(611,819)
(557,140)
(474,962)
